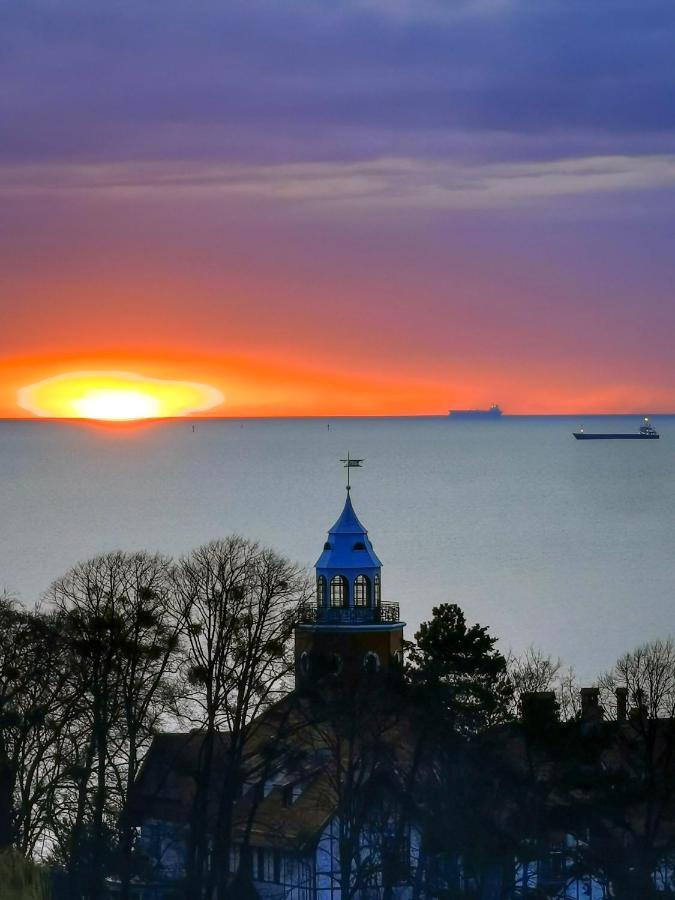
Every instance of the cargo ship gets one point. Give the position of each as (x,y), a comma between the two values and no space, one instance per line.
(493,413)
(646,432)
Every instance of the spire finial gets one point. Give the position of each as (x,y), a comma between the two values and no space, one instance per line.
(351,463)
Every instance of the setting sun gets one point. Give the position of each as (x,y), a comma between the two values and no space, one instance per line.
(116,397)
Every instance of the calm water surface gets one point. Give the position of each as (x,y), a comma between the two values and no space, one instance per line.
(546,540)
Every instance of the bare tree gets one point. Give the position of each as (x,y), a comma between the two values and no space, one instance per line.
(533,671)
(536,671)
(237,604)
(121,640)
(630,806)
(358,731)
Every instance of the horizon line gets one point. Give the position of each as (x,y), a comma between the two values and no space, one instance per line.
(326,417)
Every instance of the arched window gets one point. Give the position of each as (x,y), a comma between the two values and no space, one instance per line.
(377,590)
(339,591)
(335,664)
(305,662)
(371,663)
(321,591)
(361,591)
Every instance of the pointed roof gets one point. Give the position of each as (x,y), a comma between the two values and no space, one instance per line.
(348,545)
(348,522)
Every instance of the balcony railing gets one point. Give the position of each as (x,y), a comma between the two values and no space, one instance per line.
(385,613)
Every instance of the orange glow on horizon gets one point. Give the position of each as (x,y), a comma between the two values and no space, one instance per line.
(112,396)
(278,384)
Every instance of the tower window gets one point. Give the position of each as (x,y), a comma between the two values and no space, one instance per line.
(320,591)
(339,591)
(335,664)
(377,590)
(371,663)
(361,591)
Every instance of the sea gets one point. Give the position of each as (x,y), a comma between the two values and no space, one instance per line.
(564,545)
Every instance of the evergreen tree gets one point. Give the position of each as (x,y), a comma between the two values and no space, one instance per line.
(462,675)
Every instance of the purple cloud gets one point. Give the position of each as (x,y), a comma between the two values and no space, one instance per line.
(310,80)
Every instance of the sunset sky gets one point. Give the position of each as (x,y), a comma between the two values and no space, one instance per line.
(358,207)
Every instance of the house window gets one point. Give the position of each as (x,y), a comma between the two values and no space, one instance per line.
(339,591)
(552,868)
(397,856)
(377,590)
(361,591)
(320,590)
(305,662)
(291,793)
(234,858)
(264,864)
(152,834)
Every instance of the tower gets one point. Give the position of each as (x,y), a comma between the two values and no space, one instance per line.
(349,630)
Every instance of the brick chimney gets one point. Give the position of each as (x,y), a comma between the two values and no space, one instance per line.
(640,709)
(591,710)
(621,694)
(537,706)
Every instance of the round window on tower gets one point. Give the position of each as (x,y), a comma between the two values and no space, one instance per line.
(371,663)
(305,662)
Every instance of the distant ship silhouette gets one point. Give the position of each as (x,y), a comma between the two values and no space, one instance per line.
(646,432)
(493,413)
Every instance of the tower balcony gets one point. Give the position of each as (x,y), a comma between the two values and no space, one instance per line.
(383,614)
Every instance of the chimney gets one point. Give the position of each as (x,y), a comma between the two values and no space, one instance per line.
(621,694)
(538,706)
(639,710)
(590,704)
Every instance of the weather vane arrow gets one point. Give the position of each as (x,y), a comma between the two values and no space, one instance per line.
(351,463)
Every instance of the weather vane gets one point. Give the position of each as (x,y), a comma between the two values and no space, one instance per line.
(351,463)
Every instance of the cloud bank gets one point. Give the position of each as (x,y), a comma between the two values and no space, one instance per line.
(424,184)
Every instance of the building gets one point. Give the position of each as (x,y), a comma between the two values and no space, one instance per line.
(319,800)
(350,629)
(287,829)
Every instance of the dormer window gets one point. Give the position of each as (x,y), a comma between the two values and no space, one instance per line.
(327,546)
(361,591)
(339,591)
(292,792)
(359,545)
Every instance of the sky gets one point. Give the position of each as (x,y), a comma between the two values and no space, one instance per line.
(342,208)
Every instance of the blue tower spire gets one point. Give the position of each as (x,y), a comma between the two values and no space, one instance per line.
(349,630)
(348,572)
